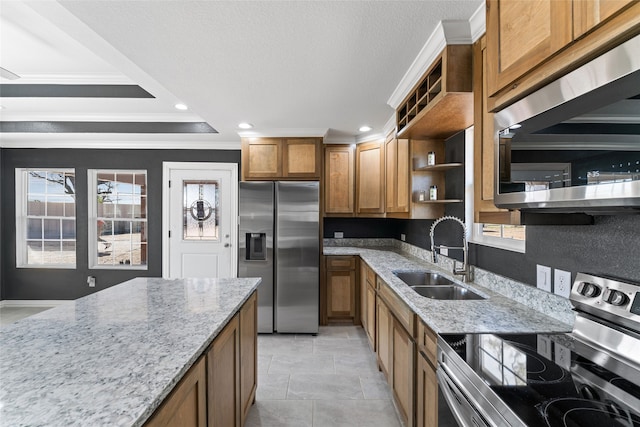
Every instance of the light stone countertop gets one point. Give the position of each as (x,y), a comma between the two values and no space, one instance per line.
(496,314)
(111,358)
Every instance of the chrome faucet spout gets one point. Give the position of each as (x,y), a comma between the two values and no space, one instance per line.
(465,270)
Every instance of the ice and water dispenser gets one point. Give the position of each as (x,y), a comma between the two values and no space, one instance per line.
(256,246)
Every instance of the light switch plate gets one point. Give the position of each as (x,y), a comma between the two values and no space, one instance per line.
(444,251)
(403,237)
(338,234)
(544,346)
(561,283)
(543,277)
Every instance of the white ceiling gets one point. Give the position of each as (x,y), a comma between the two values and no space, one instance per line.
(288,67)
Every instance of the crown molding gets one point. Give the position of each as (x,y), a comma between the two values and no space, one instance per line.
(285,133)
(478,22)
(391,125)
(121,141)
(374,137)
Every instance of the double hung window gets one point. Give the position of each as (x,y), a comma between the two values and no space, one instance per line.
(117,219)
(45,218)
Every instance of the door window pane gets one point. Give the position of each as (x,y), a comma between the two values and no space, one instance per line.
(200,210)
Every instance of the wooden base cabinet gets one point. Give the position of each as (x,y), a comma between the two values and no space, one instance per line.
(248,355)
(426,393)
(341,284)
(186,405)
(426,380)
(402,376)
(223,373)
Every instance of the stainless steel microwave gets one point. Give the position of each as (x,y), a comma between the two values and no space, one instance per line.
(574,145)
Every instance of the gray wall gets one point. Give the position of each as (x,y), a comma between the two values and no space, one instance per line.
(59,284)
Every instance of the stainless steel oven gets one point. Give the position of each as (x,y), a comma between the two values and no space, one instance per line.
(589,377)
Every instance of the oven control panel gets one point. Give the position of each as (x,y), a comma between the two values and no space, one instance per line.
(606,297)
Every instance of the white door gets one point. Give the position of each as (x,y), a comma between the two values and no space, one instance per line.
(200,220)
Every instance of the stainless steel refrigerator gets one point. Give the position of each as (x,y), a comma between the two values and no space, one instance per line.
(279,241)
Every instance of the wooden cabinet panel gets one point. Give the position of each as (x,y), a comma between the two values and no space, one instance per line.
(371,316)
(587,14)
(522,34)
(384,337)
(248,355)
(186,405)
(397,175)
(339,174)
(363,294)
(223,372)
(403,371)
(341,262)
(341,298)
(484,146)
(426,393)
(341,289)
(427,341)
(301,158)
(261,158)
(370,178)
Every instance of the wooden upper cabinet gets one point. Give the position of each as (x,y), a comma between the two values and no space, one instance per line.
(587,14)
(301,158)
(281,158)
(521,34)
(397,174)
(370,178)
(533,42)
(484,151)
(440,104)
(261,158)
(339,175)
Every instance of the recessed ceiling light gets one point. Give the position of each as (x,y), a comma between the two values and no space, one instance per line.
(245,125)
(365,128)
(516,126)
(181,107)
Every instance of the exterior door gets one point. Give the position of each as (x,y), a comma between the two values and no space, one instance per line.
(200,220)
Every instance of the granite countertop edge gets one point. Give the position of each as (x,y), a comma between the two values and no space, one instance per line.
(495,314)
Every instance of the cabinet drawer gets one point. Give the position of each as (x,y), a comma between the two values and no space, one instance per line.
(341,263)
(427,342)
(400,310)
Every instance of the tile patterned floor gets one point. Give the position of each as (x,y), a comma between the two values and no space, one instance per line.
(330,380)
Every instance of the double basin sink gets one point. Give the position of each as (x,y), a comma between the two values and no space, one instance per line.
(433,285)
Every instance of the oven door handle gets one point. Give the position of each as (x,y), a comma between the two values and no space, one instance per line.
(463,411)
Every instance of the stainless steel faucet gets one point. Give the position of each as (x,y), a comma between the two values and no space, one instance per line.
(465,271)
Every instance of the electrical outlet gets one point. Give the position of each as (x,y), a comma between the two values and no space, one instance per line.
(543,277)
(403,237)
(561,283)
(544,346)
(444,251)
(338,234)
(91,281)
(563,356)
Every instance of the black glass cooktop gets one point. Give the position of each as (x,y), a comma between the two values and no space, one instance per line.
(546,383)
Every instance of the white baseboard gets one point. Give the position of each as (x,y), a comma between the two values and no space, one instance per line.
(32,302)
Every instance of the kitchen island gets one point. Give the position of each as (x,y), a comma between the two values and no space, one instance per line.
(113,357)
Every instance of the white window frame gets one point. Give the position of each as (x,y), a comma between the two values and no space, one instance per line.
(92,178)
(22,198)
(475,233)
